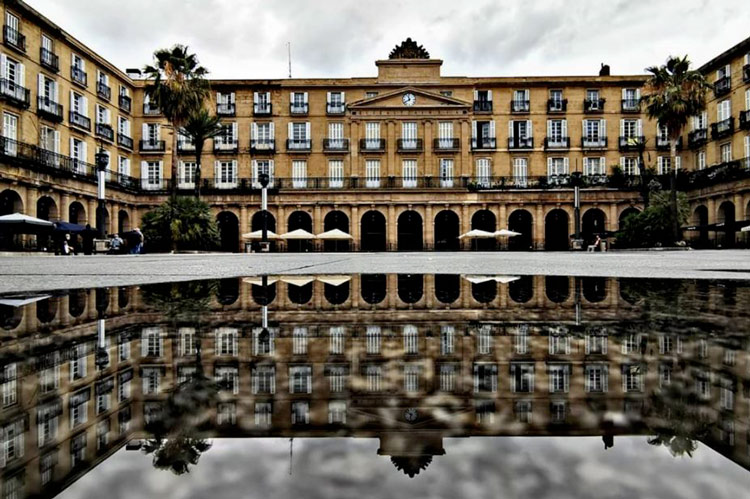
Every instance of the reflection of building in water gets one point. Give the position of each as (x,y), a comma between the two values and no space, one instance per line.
(406,359)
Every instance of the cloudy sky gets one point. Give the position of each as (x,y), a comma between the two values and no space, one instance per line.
(248,38)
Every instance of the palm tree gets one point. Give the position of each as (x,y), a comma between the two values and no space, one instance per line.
(199,127)
(178,88)
(673,94)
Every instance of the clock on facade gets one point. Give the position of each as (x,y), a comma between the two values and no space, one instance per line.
(409,99)
(411,414)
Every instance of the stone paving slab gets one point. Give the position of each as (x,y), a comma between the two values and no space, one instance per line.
(43,273)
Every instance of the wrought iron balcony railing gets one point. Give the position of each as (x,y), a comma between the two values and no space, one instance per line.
(722,86)
(15,94)
(520,142)
(662,144)
(372,145)
(124,141)
(152,146)
(409,145)
(263,146)
(335,108)
(721,129)
(226,145)
(557,105)
(79,120)
(49,59)
(150,109)
(262,108)
(105,131)
(745,120)
(336,145)
(594,142)
(551,143)
(79,76)
(519,106)
(631,105)
(226,109)
(14,39)
(697,138)
(103,90)
(299,108)
(483,143)
(593,105)
(185,146)
(446,144)
(125,103)
(49,109)
(299,145)
(482,106)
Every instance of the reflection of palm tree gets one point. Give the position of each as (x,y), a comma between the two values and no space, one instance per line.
(176,453)
(677,425)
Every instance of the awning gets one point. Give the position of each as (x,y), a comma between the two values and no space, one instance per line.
(506,233)
(334,280)
(334,235)
(745,229)
(20,220)
(299,234)
(69,227)
(477,234)
(297,280)
(739,225)
(258,234)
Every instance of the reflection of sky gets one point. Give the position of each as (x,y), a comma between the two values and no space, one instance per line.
(523,467)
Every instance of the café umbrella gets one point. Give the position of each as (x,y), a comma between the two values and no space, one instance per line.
(334,280)
(334,235)
(258,234)
(299,234)
(477,234)
(18,220)
(506,233)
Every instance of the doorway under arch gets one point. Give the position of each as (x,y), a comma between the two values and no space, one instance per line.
(447,230)
(521,221)
(410,231)
(593,223)
(336,219)
(484,220)
(229,231)
(727,233)
(372,231)
(700,220)
(556,231)
(299,220)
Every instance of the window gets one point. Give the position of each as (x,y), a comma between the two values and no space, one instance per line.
(664,165)
(9,386)
(15,76)
(372,173)
(299,174)
(521,340)
(263,414)
(520,100)
(447,339)
(594,133)
(446,172)
(264,379)
(559,378)
(300,412)
(372,340)
(337,412)
(520,133)
(151,342)
(411,340)
(262,166)
(299,341)
(557,167)
(522,378)
(632,378)
(226,174)
(262,102)
(298,102)
(724,110)
(724,72)
(49,379)
(484,340)
(335,173)
(555,100)
(49,140)
(374,377)
(226,341)
(187,174)
(123,388)
(485,378)
(558,411)
(228,379)
(629,165)
(409,172)
(372,135)
(596,378)
(594,101)
(79,407)
(263,136)
(631,98)
(264,341)
(630,128)
(558,344)
(299,135)
(336,135)
(411,378)
(336,378)
(557,133)
(78,365)
(483,135)
(596,344)
(337,337)
(12,442)
(151,380)
(665,375)
(631,344)
(123,126)
(226,414)
(699,122)
(520,171)
(10,132)
(151,174)
(408,135)
(484,172)
(594,166)
(445,135)
(700,160)
(227,138)
(336,102)
(102,402)
(300,379)
(725,152)
(447,377)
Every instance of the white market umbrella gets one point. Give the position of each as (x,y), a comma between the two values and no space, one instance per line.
(334,280)
(503,279)
(258,281)
(745,229)
(335,235)
(506,233)
(297,280)
(299,234)
(20,301)
(19,219)
(258,234)
(477,234)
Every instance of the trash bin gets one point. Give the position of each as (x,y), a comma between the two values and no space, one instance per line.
(604,245)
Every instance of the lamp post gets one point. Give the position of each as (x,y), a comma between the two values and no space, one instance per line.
(576,181)
(264,179)
(102,161)
(102,356)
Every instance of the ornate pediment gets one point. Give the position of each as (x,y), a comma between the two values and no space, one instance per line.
(409,50)
(409,100)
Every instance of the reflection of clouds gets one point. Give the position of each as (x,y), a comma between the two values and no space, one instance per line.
(479,467)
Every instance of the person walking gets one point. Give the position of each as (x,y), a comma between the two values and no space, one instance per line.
(139,239)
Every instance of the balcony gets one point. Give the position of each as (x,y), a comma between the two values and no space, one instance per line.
(152,146)
(745,120)
(150,109)
(14,39)
(124,141)
(697,138)
(185,146)
(226,109)
(593,105)
(105,131)
(49,60)
(49,109)
(409,145)
(299,145)
(335,145)
(227,145)
(482,106)
(632,143)
(594,142)
(721,129)
(103,91)
(79,76)
(557,105)
(722,86)
(125,103)
(262,109)
(519,106)
(662,144)
(631,106)
(263,146)
(336,108)
(556,143)
(15,94)
(299,108)
(520,143)
(446,145)
(79,120)
(483,143)
(746,73)
(372,145)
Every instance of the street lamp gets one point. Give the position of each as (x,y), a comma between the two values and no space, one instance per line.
(576,180)
(102,356)
(102,161)
(264,179)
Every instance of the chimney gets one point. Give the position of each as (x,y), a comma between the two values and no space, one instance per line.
(604,71)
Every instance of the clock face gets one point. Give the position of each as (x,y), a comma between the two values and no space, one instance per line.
(411,414)
(409,99)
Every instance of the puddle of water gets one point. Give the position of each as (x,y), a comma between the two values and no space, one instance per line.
(335,385)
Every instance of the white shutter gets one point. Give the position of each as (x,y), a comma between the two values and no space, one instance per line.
(307,129)
(639,127)
(144,132)
(510,129)
(622,128)
(22,75)
(57,141)
(549,128)
(564,128)
(218,97)
(272,130)
(144,172)
(566,166)
(254,131)
(85,106)
(624,93)
(71,147)
(84,152)
(602,166)
(234,171)
(235,131)
(291,133)
(343,97)
(3,64)
(328,97)
(254,171)
(526,95)
(304,98)
(158,131)
(747,100)
(529,129)
(217,169)
(232,98)
(638,94)
(622,166)
(549,166)
(40,85)
(255,98)
(603,131)
(473,129)
(476,94)
(489,95)
(492,129)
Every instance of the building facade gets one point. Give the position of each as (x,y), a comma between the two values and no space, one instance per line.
(406,160)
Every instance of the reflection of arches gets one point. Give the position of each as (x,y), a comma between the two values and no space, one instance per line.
(631,290)
(256,224)
(447,231)
(336,220)
(10,317)
(123,297)
(46,310)
(521,290)
(299,220)
(102,300)
(594,289)
(625,214)
(447,287)
(228,291)
(592,224)
(123,221)
(77,303)
(410,231)
(299,295)
(373,231)
(46,209)
(700,219)
(556,232)
(557,288)
(10,202)
(336,295)
(410,287)
(263,295)
(484,220)
(520,221)
(727,216)
(484,292)
(374,288)
(229,231)
(77,213)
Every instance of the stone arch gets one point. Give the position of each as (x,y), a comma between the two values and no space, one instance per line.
(229,231)
(557,288)
(521,290)
(594,289)
(46,310)
(624,214)
(46,209)
(299,220)
(373,231)
(374,288)
(256,224)
(123,221)
(336,219)
(77,301)
(447,287)
(523,222)
(10,202)
(77,213)
(10,317)
(726,215)
(593,222)
(484,220)
(447,230)
(700,220)
(410,287)
(336,295)
(123,297)
(263,295)
(557,230)
(228,291)
(410,231)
